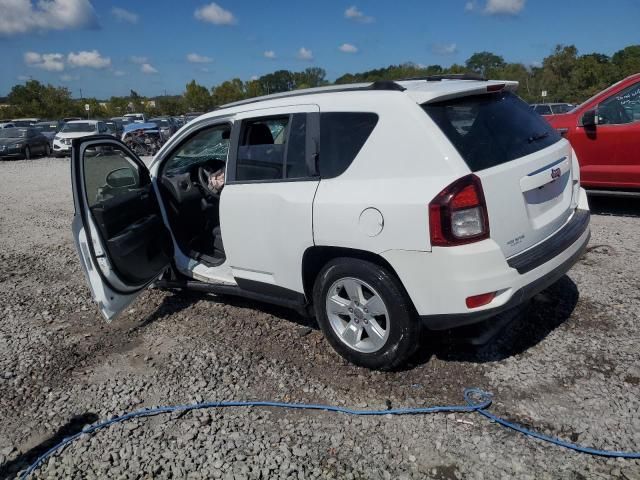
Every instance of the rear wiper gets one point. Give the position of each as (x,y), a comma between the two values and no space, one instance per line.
(538,136)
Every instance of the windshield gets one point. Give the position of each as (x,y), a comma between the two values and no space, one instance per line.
(210,144)
(13,133)
(79,127)
(491,129)
(46,127)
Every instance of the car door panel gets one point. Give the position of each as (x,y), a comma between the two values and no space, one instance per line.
(120,236)
(266,222)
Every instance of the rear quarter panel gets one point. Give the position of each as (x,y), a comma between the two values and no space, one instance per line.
(402,166)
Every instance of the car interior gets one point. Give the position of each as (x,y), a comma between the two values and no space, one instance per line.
(192,205)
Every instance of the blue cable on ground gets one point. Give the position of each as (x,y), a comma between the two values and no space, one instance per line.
(477,401)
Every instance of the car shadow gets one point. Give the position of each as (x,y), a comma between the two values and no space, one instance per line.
(528,326)
(73,426)
(179,300)
(616,206)
(523,329)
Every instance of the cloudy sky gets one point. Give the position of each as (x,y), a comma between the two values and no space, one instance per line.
(107,47)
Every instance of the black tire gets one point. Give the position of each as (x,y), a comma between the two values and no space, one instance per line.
(47,150)
(403,324)
(27,153)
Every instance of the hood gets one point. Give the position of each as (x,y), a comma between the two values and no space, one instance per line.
(11,141)
(560,120)
(74,134)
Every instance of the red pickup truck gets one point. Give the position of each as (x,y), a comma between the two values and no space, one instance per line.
(605,134)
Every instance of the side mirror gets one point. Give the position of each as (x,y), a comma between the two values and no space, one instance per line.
(589,119)
(121,178)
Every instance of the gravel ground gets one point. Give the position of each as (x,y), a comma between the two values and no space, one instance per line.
(569,366)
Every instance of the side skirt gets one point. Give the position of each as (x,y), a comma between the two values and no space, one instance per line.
(252,290)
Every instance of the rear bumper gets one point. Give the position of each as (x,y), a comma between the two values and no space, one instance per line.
(446,321)
(438,282)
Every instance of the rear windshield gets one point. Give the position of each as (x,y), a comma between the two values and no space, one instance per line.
(79,127)
(491,129)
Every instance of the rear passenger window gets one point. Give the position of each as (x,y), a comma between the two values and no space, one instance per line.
(342,135)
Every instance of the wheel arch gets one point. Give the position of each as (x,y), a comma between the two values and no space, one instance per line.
(316,257)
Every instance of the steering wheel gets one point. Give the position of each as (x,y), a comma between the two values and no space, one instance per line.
(203,179)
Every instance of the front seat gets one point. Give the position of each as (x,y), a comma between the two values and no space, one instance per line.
(259,134)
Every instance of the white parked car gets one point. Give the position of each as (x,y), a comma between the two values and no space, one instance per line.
(381,208)
(76,129)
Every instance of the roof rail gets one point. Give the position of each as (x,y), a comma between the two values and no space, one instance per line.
(450,76)
(387,85)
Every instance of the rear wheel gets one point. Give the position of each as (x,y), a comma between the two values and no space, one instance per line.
(365,314)
(47,150)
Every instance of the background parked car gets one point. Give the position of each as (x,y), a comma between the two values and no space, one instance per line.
(136,117)
(23,142)
(552,108)
(7,125)
(605,133)
(71,119)
(166,125)
(49,129)
(115,126)
(76,129)
(25,122)
(188,117)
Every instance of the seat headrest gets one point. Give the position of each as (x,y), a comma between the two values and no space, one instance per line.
(259,134)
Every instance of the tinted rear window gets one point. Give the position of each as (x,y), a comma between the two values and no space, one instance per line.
(342,135)
(492,129)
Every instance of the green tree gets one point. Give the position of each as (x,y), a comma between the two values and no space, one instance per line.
(227,92)
(36,99)
(196,97)
(484,62)
(627,61)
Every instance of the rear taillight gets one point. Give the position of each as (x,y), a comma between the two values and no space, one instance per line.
(458,214)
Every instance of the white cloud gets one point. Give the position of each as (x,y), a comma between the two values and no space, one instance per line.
(68,78)
(353,13)
(504,7)
(195,58)
(51,62)
(119,73)
(496,7)
(24,16)
(147,68)
(91,59)
(214,13)
(23,78)
(444,48)
(124,15)
(305,54)
(254,78)
(348,48)
(270,54)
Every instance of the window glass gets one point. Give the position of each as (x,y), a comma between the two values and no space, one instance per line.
(262,149)
(621,108)
(108,173)
(342,135)
(543,109)
(296,152)
(491,129)
(209,144)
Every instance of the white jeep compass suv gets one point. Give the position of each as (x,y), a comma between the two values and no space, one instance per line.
(382,208)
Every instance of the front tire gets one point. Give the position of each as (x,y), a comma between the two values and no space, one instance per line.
(27,153)
(47,150)
(365,314)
